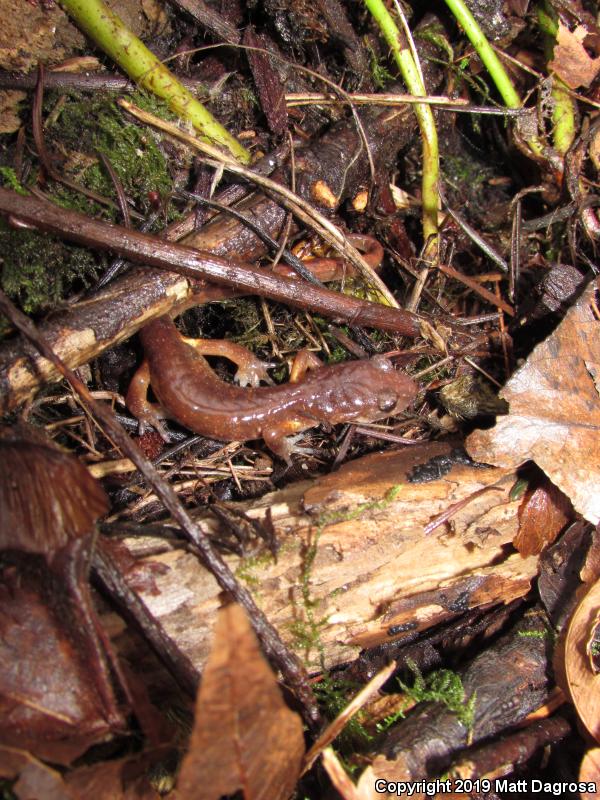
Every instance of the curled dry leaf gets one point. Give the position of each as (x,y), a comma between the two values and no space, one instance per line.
(582,679)
(589,772)
(543,513)
(554,415)
(571,61)
(245,738)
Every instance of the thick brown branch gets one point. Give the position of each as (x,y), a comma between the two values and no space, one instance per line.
(194,264)
(86,329)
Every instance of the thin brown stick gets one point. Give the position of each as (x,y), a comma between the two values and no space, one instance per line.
(290,666)
(87,82)
(145,249)
(484,293)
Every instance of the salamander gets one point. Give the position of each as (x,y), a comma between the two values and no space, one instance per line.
(191,393)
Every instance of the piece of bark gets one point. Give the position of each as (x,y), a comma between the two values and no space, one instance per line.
(214,22)
(373,576)
(342,30)
(270,89)
(500,758)
(92,326)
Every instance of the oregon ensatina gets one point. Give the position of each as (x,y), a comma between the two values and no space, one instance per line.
(191,393)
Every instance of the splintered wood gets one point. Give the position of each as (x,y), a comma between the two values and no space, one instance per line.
(355,568)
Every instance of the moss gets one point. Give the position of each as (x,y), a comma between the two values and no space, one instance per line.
(379,72)
(97,125)
(245,570)
(38,269)
(307,625)
(9,178)
(442,686)
(333,695)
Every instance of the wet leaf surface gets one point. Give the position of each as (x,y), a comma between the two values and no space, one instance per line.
(49,697)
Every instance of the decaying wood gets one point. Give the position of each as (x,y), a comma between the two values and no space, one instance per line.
(375,576)
(90,327)
(507,680)
(511,751)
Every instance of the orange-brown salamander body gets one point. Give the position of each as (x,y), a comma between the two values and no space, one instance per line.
(191,393)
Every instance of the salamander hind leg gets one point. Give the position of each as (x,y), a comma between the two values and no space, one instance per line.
(146,413)
(304,360)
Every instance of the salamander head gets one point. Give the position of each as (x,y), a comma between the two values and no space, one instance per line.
(373,390)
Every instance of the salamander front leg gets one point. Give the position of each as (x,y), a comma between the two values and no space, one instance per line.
(280,442)
(251,370)
(146,413)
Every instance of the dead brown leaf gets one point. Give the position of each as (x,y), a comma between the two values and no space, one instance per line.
(543,513)
(123,779)
(245,738)
(554,415)
(582,680)
(571,61)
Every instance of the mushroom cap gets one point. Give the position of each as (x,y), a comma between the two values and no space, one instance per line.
(47,497)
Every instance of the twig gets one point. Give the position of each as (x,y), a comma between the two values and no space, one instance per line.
(290,666)
(193,263)
(487,295)
(87,82)
(455,104)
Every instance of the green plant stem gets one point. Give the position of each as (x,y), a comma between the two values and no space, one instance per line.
(110,33)
(564,114)
(424,114)
(492,63)
(486,53)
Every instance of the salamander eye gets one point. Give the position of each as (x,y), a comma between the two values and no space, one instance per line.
(386,401)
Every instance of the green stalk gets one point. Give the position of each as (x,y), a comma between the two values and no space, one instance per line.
(486,53)
(491,62)
(414,83)
(564,114)
(110,33)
